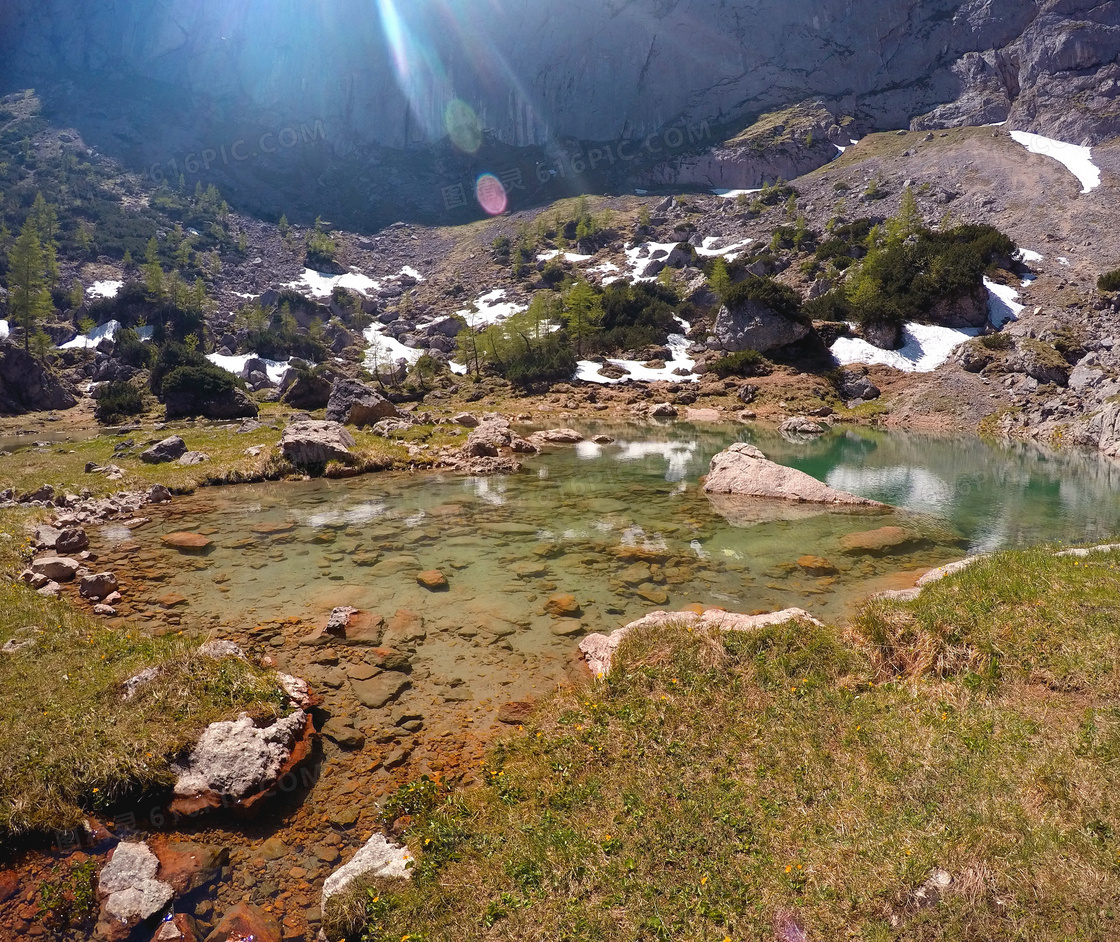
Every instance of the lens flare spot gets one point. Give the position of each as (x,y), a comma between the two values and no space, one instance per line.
(463,126)
(491,194)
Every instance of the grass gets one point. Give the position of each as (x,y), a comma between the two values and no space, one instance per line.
(802,782)
(63,465)
(70,744)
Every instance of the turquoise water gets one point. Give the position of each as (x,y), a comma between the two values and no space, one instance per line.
(624,528)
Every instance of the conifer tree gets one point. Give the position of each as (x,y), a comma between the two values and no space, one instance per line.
(153,272)
(29,299)
(583,313)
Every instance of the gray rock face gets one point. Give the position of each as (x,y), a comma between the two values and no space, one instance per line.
(597,70)
(753,326)
(234,403)
(237,758)
(56,568)
(25,384)
(309,443)
(98,586)
(170,449)
(354,403)
(967,310)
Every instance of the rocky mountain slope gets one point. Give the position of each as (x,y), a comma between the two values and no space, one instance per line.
(524,76)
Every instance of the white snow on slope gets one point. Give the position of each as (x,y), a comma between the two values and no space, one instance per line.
(707,249)
(1077,159)
(235,364)
(924,348)
(588,370)
(5,330)
(385,350)
(1029,256)
(638,262)
(105,289)
(732,194)
(492,309)
(1003,303)
(321,285)
(107,330)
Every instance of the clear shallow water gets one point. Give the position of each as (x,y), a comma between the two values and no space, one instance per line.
(622,527)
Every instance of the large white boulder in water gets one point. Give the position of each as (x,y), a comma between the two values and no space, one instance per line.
(745,471)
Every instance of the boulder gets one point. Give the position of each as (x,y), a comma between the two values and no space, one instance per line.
(598,650)
(886,336)
(563,606)
(378,857)
(754,326)
(965,310)
(44,494)
(465,419)
(307,443)
(663,410)
(71,540)
(744,471)
(245,923)
(128,888)
(556,436)
(800,426)
(191,458)
(98,586)
(853,383)
(374,692)
(56,568)
(354,403)
(26,385)
(235,762)
(303,390)
(170,449)
(486,441)
(158,494)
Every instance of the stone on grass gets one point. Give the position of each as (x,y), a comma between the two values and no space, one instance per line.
(56,568)
(236,760)
(191,458)
(170,449)
(598,650)
(378,857)
(311,444)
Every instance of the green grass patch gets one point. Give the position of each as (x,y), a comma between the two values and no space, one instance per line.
(802,782)
(70,743)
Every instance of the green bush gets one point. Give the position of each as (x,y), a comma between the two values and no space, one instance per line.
(770,293)
(1109,281)
(191,387)
(117,402)
(745,363)
(321,250)
(997,341)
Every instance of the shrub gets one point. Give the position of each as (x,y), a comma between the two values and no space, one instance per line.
(997,341)
(191,387)
(745,363)
(117,402)
(1109,281)
(321,250)
(768,292)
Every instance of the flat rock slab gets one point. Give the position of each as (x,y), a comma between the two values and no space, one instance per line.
(433,580)
(380,690)
(881,542)
(187,543)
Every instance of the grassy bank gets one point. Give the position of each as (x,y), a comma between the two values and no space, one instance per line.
(802,783)
(63,465)
(70,743)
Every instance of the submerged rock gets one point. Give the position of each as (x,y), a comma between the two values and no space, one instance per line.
(245,923)
(744,471)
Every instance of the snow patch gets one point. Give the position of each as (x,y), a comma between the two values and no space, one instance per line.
(1029,256)
(731,252)
(321,285)
(106,331)
(1077,159)
(236,364)
(588,370)
(732,194)
(411,273)
(5,330)
(105,289)
(924,348)
(492,309)
(385,350)
(1003,304)
(639,262)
